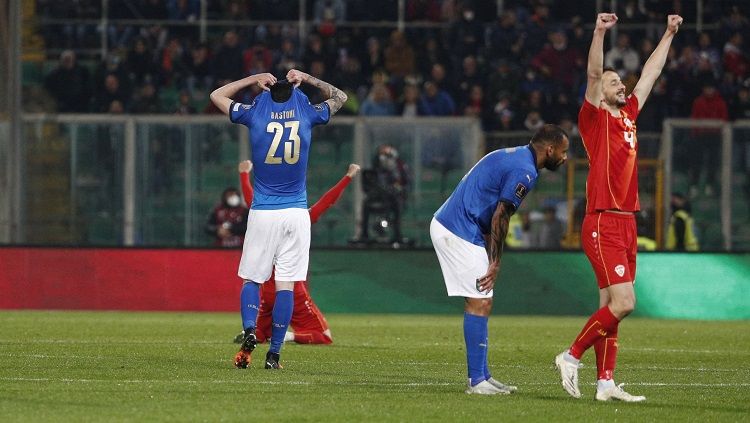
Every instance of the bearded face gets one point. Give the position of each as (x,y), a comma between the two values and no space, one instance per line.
(613,90)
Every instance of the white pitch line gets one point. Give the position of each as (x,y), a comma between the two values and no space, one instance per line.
(407,384)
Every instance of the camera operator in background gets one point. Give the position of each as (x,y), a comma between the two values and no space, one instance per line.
(385,187)
(228,220)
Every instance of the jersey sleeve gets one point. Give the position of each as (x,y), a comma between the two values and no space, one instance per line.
(241,113)
(631,107)
(247,188)
(517,183)
(317,114)
(328,199)
(587,116)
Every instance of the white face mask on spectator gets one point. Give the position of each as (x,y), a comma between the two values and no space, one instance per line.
(233,200)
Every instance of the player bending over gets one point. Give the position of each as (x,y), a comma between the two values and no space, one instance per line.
(469,229)
(308,322)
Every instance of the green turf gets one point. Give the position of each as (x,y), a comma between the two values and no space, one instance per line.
(107,366)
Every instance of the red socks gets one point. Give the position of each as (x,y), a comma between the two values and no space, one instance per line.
(602,324)
(606,355)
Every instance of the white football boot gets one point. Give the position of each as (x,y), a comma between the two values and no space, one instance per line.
(616,393)
(501,386)
(485,388)
(568,375)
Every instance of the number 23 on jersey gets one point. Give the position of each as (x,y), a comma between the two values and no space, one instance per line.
(291,144)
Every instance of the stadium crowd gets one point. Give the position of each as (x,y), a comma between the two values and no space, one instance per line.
(516,69)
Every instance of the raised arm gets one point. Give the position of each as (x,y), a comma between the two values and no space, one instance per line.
(655,63)
(334,96)
(498,232)
(247,188)
(222,96)
(604,21)
(332,195)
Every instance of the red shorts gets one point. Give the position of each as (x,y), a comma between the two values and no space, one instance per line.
(610,242)
(308,322)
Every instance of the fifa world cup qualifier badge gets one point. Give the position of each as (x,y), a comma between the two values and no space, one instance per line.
(521,191)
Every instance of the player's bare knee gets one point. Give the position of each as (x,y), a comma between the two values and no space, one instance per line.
(622,306)
(479,306)
(284,286)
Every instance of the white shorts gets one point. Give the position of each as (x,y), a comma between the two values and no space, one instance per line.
(461,261)
(276,238)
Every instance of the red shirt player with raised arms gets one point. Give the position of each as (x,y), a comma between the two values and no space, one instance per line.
(608,234)
(308,323)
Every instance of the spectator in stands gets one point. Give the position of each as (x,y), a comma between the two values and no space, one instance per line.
(519,231)
(112,65)
(708,51)
(476,106)
(199,71)
(504,37)
(174,70)
(373,59)
(735,60)
(504,115)
(622,56)
(741,103)
(329,10)
(183,10)
(184,107)
(505,80)
(378,103)
(550,231)
(435,101)
(147,100)
(409,104)
(140,62)
(399,56)
(286,58)
(533,121)
(536,30)
(432,53)
(469,77)
(681,234)
(467,34)
(558,62)
(228,59)
(69,84)
(228,220)
(109,92)
(706,144)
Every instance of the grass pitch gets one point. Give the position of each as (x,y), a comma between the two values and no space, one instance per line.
(109,366)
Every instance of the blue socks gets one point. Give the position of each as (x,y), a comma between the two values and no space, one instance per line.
(282,315)
(475,336)
(249,304)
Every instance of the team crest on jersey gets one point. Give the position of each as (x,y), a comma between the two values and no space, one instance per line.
(521,191)
(318,107)
(620,270)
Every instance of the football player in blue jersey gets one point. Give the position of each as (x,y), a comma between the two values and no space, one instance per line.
(469,229)
(280,120)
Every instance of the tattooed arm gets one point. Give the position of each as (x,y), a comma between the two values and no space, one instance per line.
(334,96)
(498,231)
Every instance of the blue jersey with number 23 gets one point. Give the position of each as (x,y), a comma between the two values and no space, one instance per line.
(280,136)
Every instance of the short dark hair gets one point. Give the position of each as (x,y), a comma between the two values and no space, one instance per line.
(549,134)
(281,91)
(609,69)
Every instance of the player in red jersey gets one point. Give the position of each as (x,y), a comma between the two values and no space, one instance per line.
(308,323)
(608,234)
